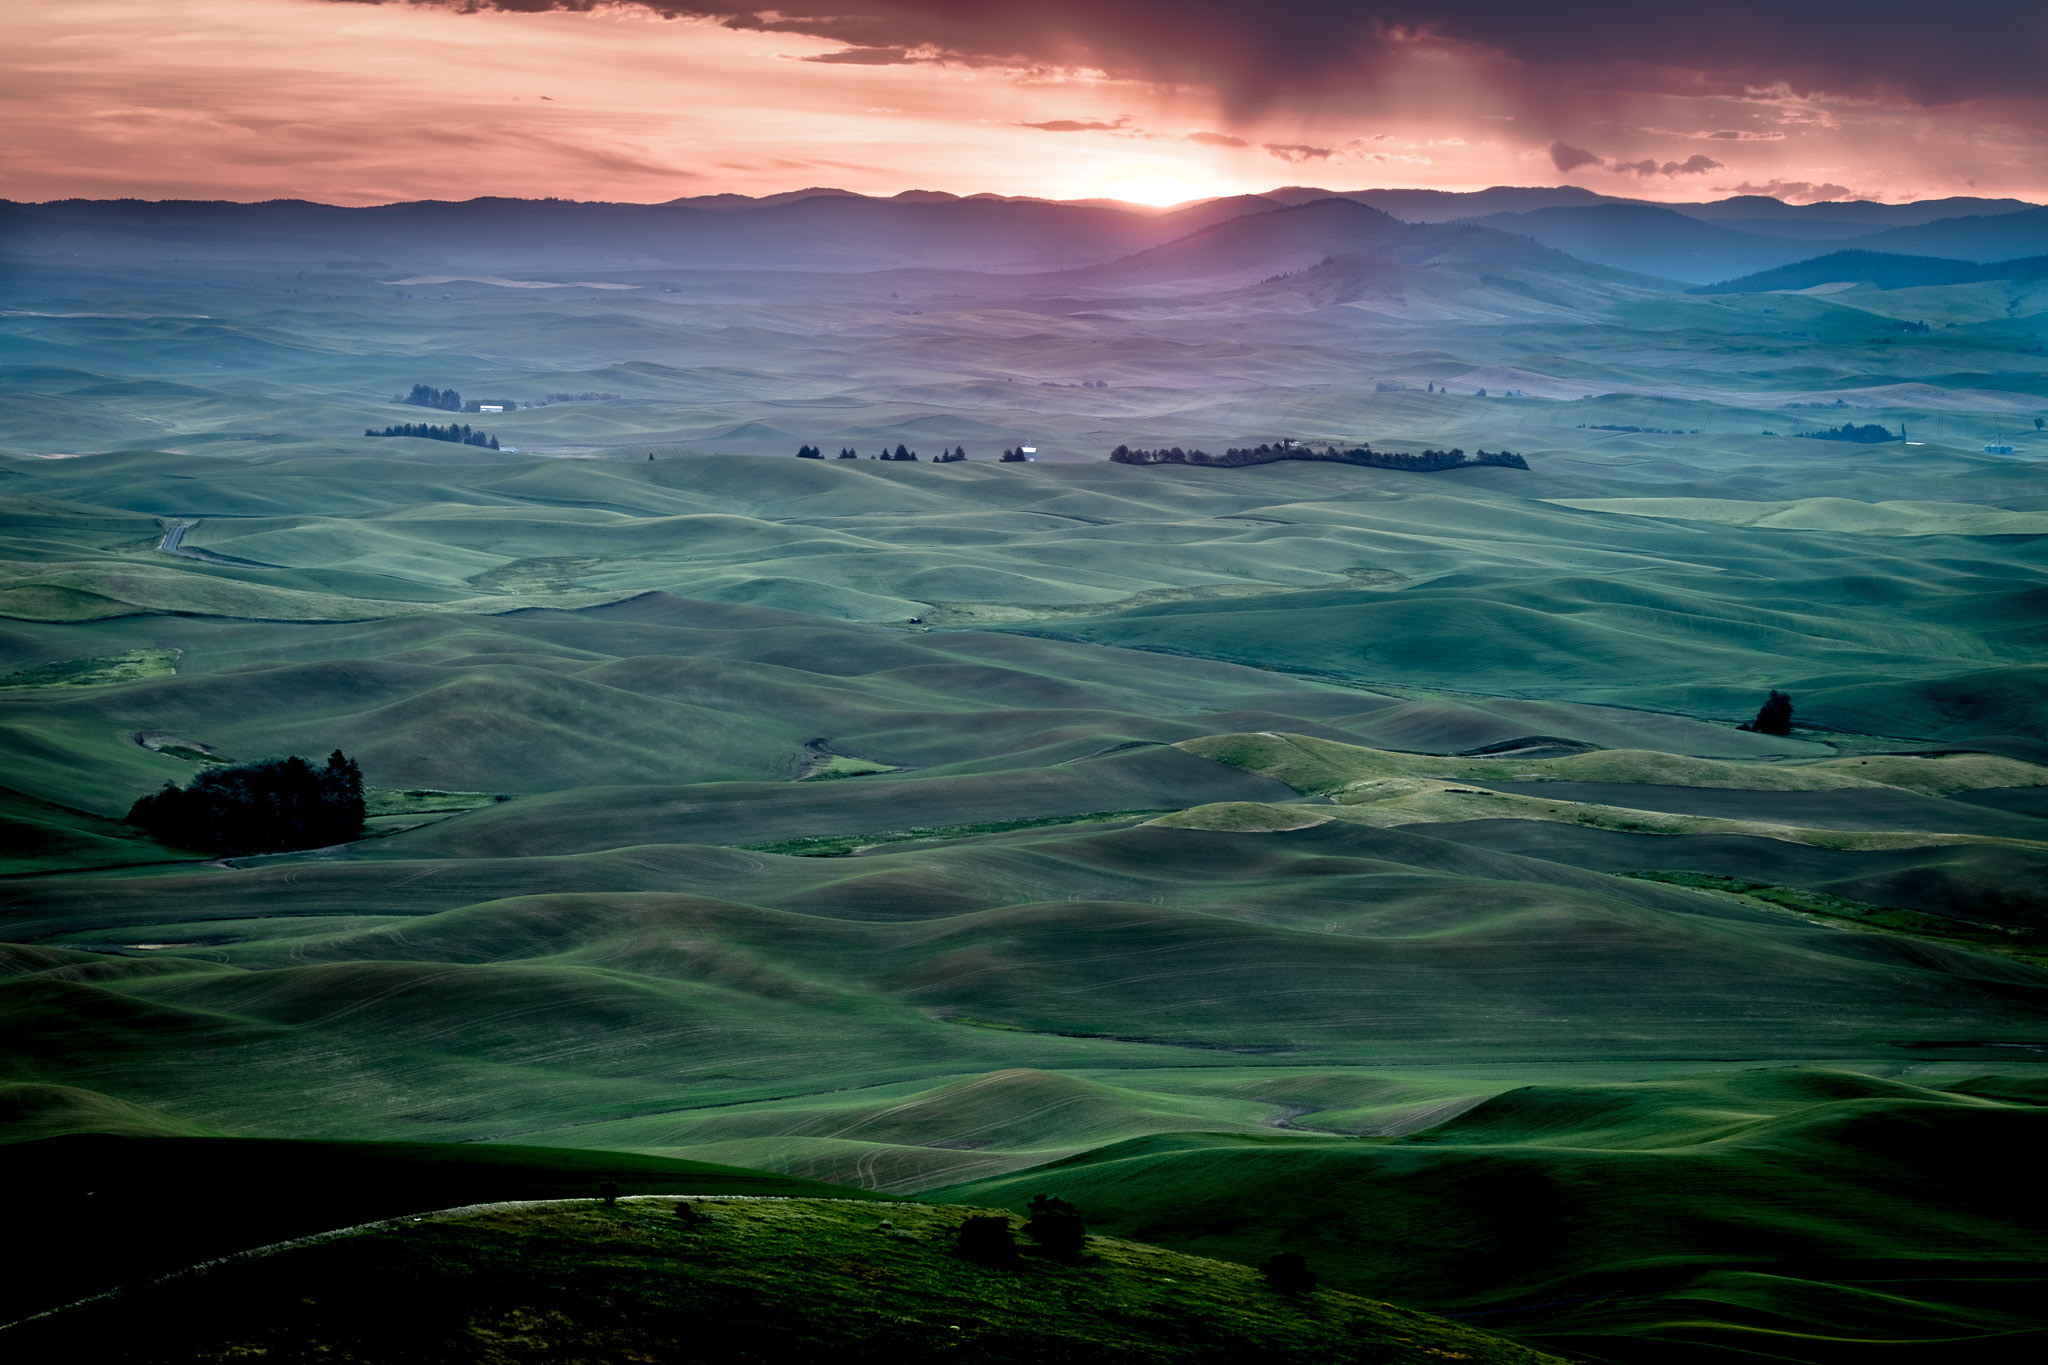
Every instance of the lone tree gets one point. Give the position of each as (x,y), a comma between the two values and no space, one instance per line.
(1288,1273)
(1774,717)
(1056,1225)
(268,807)
(986,1239)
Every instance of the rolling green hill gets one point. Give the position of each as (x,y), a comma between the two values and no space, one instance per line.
(1347,857)
(776,1279)
(1736,1217)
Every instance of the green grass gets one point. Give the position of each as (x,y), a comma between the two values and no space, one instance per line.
(132,665)
(835,766)
(385,801)
(2024,942)
(842,845)
(782,1279)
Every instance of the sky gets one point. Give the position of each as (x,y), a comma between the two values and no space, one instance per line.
(1152,101)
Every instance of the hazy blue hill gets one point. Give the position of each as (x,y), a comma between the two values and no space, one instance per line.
(1648,239)
(812,231)
(1345,251)
(1882,270)
(1444,206)
(1997,237)
(1866,213)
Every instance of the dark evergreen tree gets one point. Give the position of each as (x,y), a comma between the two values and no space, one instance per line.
(1774,717)
(809,453)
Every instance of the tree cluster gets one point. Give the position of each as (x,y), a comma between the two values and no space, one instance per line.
(1011,457)
(1236,458)
(427,396)
(1869,434)
(1774,717)
(953,456)
(809,453)
(459,433)
(267,807)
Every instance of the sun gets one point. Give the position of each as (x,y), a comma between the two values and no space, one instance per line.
(1154,186)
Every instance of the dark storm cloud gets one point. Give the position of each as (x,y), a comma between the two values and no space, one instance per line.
(1297,152)
(1252,54)
(1568,158)
(1070,125)
(1692,165)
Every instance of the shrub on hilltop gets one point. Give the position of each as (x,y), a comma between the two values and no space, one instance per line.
(267,807)
(1288,1273)
(986,1239)
(1056,1225)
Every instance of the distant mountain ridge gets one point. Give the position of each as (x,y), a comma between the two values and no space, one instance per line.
(1882,269)
(831,229)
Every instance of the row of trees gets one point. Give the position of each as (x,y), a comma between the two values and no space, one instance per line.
(1237,457)
(267,807)
(448,400)
(1869,434)
(901,452)
(459,433)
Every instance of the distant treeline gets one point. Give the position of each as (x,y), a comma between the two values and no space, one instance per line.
(901,452)
(448,400)
(1647,431)
(1870,434)
(1427,461)
(258,807)
(457,432)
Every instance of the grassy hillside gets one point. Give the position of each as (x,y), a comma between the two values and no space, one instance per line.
(260,1192)
(1783,1215)
(742,1281)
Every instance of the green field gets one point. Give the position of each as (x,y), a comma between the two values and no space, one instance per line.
(1305,855)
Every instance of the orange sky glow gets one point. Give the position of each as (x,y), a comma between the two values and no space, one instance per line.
(369,103)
